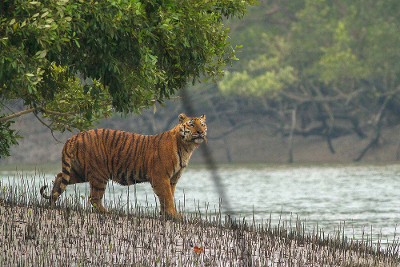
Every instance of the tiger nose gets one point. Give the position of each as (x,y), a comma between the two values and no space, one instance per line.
(200,131)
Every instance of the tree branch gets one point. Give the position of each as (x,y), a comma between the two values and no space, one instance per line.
(377,124)
(51,112)
(29,110)
(15,115)
(51,130)
(320,98)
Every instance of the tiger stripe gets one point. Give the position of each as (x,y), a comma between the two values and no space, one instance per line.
(99,155)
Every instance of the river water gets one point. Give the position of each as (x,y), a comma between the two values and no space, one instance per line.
(364,199)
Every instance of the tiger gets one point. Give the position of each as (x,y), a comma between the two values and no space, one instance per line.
(99,155)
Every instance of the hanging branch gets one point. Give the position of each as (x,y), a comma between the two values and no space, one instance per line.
(48,126)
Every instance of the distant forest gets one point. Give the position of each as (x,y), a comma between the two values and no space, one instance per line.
(310,70)
(327,68)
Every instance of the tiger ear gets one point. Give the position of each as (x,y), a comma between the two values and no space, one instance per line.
(203,117)
(182,117)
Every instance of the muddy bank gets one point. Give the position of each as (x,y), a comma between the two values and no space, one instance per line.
(32,235)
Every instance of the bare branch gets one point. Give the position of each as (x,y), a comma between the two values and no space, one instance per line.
(377,123)
(51,130)
(302,99)
(320,98)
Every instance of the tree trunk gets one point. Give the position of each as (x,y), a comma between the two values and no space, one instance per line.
(378,123)
(293,126)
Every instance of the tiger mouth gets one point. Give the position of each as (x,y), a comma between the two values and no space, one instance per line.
(199,139)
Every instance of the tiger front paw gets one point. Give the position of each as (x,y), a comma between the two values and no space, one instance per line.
(172,216)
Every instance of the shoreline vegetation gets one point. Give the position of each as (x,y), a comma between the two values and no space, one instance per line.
(72,234)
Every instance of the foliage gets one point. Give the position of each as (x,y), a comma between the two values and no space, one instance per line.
(8,137)
(78,106)
(329,60)
(261,77)
(135,52)
(330,44)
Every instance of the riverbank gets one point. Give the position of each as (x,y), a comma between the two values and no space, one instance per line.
(253,143)
(35,235)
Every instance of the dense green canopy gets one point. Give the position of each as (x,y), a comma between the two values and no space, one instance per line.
(74,60)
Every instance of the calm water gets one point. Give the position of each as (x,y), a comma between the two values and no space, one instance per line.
(360,197)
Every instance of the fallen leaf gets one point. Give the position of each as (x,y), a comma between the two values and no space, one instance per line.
(198,250)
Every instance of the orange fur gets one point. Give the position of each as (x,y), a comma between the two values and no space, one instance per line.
(97,156)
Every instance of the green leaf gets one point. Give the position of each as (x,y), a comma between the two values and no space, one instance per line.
(41,54)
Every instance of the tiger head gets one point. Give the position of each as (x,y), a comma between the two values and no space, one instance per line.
(193,129)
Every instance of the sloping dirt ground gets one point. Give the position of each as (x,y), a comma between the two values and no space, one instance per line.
(38,236)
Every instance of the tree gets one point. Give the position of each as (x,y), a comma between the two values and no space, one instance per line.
(341,64)
(73,61)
